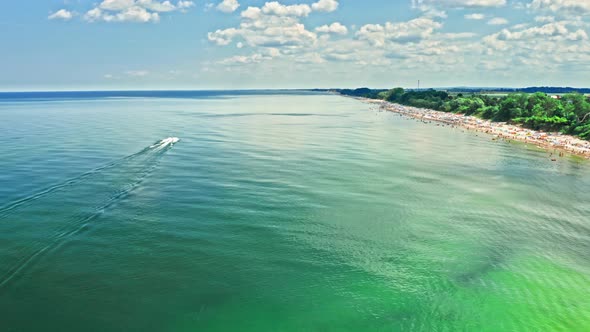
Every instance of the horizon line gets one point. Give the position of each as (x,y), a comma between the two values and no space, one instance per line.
(287,89)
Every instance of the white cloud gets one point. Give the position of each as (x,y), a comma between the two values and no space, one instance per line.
(556,46)
(228,6)
(438,8)
(140,11)
(136,14)
(277,9)
(458,3)
(305,46)
(132,14)
(116,5)
(274,26)
(128,74)
(223,37)
(264,55)
(403,32)
(475,16)
(498,21)
(335,27)
(556,31)
(137,73)
(266,31)
(185,4)
(325,6)
(457,35)
(310,58)
(240,59)
(551,40)
(564,6)
(544,19)
(156,6)
(252,13)
(274,31)
(61,14)
(520,26)
(93,15)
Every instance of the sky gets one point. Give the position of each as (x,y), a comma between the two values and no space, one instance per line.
(257,44)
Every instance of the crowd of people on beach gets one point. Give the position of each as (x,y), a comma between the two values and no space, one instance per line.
(499,130)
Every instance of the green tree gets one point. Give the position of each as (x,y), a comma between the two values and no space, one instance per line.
(576,103)
(394,95)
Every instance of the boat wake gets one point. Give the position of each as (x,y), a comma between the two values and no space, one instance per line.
(167,142)
(158,146)
(87,197)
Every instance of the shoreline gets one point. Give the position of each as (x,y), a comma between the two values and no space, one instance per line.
(499,130)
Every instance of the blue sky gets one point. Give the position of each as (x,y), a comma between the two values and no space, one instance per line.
(241,44)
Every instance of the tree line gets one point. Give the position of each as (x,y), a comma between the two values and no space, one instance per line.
(538,111)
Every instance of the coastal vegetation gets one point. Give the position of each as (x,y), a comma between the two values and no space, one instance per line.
(568,113)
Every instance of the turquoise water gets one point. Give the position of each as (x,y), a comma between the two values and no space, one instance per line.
(280,212)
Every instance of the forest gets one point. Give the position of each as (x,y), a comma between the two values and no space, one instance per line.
(568,114)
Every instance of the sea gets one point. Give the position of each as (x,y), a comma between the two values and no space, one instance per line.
(279,211)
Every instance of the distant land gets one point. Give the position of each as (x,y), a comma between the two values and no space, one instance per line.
(190,92)
(563,110)
(544,89)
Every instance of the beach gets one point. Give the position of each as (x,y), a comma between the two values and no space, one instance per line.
(557,143)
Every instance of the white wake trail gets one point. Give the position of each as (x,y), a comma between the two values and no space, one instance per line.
(167,142)
(170,141)
(119,180)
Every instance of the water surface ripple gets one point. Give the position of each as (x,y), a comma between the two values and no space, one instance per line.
(282,211)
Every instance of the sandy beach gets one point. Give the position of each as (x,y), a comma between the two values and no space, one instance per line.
(554,142)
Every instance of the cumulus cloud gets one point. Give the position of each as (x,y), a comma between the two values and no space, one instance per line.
(475,16)
(544,19)
(116,5)
(274,32)
(242,59)
(438,8)
(252,13)
(140,11)
(270,26)
(556,31)
(185,4)
(275,8)
(132,14)
(498,21)
(548,40)
(325,6)
(460,3)
(335,27)
(228,6)
(402,32)
(552,46)
(61,14)
(156,6)
(564,6)
(267,33)
(263,55)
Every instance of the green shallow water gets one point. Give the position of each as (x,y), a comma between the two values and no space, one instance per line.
(281,212)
